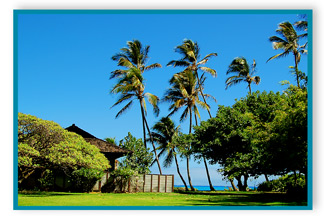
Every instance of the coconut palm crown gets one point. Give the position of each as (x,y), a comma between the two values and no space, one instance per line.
(190,52)
(130,82)
(289,43)
(242,73)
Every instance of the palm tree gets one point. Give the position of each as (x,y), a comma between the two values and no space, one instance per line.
(191,60)
(242,71)
(184,93)
(289,43)
(130,84)
(164,133)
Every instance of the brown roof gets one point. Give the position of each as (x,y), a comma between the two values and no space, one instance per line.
(105,147)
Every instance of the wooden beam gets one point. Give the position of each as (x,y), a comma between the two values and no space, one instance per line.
(166,183)
(172,183)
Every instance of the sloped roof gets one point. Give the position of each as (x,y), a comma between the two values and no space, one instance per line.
(104,146)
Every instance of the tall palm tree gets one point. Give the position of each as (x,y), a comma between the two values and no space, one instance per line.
(164,133)
(242,73)
(130,84)
(190,52)
(184,93)
(191,60)
(289,43)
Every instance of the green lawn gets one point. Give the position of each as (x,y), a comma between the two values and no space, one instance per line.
(156,199)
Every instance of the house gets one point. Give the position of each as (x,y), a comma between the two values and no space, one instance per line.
(110,150)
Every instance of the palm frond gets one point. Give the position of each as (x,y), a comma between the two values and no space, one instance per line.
(209,70)
(280,55)
(125,108)
(180,63)
(152,66)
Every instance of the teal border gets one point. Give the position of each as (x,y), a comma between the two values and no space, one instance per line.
(309,14)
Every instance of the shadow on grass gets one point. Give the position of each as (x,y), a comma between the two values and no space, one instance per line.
(44,194)
(245,199)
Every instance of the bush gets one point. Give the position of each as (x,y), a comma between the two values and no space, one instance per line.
(284,184)
(84,179)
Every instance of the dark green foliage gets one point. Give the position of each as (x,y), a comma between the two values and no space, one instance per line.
(83,180)
(263,133)
(284,184)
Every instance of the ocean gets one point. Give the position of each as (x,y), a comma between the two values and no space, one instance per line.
(206,188)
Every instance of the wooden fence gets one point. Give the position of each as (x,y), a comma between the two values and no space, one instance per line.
(142,183)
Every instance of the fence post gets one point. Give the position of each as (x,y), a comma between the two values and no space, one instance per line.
(144,183)
(166,182)
(158,183)
(151,183)
(172,183)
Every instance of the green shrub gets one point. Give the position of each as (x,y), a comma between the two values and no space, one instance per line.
(283,184)
(84,179)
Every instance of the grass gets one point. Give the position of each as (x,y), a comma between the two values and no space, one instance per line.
(218,198)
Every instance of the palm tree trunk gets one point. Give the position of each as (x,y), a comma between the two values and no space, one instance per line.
(143,116)
(201,92)
(296,69)
(188,170)
(178,170)
(156,156)
(209,181)
(250,88)
(206,167)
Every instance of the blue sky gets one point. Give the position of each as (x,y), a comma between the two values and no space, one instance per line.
(64,63)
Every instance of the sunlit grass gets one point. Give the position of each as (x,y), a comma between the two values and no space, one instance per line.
(156,199)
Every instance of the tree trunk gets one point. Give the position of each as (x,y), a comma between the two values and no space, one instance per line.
(201,92)
(188,170)
(250,88)
(296,69)
(239,183)
(209,181)
(266,177)
(25,176)
(245,185)
(156,156)
(178,170)
(143,121)
(189,178)
(233,185)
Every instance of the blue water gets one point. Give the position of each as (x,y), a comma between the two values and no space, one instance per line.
(206,188)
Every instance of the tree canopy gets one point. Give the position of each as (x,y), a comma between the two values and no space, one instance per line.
(45,145)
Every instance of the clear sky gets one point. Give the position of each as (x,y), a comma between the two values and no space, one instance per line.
(64,64)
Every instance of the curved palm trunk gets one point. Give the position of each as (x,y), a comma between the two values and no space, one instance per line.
(201,92)
(188,170)
(250,88)
(143,116)
(206,167)
(296,68)
(154,149)
(178,170)
(209,181)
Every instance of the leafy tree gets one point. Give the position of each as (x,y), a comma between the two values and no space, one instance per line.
(243,72)
(184,93)
(44,145)
(164,132)
(289,43)
(131,85)
(140,159)
(190,52)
